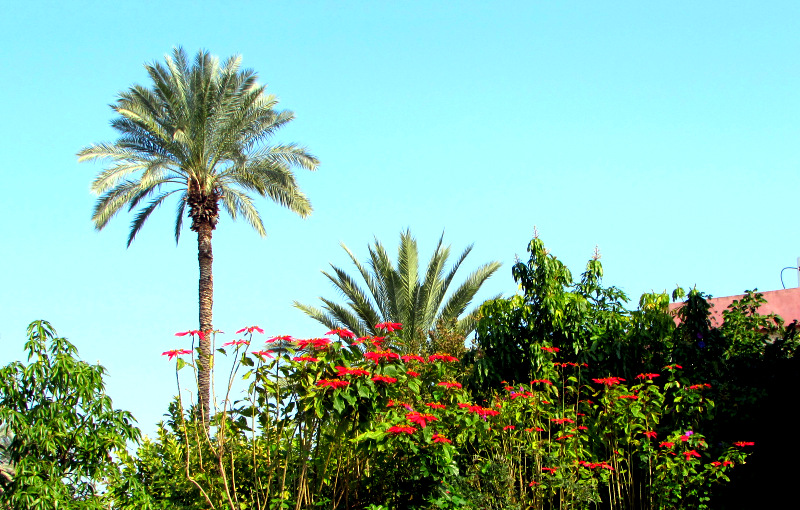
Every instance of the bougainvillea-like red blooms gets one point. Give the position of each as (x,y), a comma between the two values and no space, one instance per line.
(650,433)
(744,443)
(412,357)
(384,378)
(551,349)
(281,338)
(420,419)
(250,329)
(450,385)
(666,444)
(509,427)
(691,453)
(438,438)
(411,373)
(442,357)
(192,332)
(341,333)
(265,354)
(332,383)
(389,326)
(377,356)
(176,352)
(305,358)
(543,381)
(237,343)
(551,470)
(401,429)
(561,421)
(609,381)
(647,376)
(484,411)
(436,405)
(351,371)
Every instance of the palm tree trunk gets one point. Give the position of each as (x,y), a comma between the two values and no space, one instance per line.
(205,259)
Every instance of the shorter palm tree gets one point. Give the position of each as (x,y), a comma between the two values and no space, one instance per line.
(397,294)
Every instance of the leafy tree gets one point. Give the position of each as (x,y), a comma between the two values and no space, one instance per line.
(64,432)
(200,134)
(395,293)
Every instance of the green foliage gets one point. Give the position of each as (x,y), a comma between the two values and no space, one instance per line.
(65,434)
(399,293)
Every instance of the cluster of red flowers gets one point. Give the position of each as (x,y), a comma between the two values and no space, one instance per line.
(332,383)
(420,418)
(551,349)
(412,357)
(450,385)
(527,394)
(401,429)
(384,378)
(647,376)
(176,352)
(666,444)
(743,443)
(699,386)
(305,358)
(509,427)
(281,338)
(250,329)
(265,354)
(570,364)
(627,397)
(342,371)
(389,326)
(237,343)
(436,405)
(481,411)
(650,433)
(609,381)
(438,438)
(537,429)
(673,367)
(596,465)
(691,453)
(411,373)
(551,470)
(315,343)
(341,333)
(192,332)
(543,381)
(723,463)
(442,357)
(561,421)
(377,356)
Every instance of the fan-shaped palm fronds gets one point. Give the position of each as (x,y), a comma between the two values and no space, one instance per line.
(397,293)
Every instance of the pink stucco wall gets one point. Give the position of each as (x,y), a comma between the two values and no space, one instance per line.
(785,302)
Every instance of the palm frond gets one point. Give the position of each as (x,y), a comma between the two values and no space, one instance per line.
(461,297)
(144,213)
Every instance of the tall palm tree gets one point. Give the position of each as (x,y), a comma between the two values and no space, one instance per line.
(199,133)
(396,293)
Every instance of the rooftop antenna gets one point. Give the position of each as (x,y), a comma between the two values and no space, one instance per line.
(791,267)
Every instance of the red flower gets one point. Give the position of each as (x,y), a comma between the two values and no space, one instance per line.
(449,384)
(265,354)
(389,326)
(305,358)
(282,338)
(647,376)
(628,397)
(561,421)
(438,438)
(699,386)
(192,332)
(332,383)
(583,427)
(420,418)
(550,349)
(400,429)
(543,381)
(609,381)
(341,333)
(176,352)
(564,437)
(412,373)
(673,367)
(743,443)
(509,427)
(666,444)
(384,378)
(237,343)
(377,356)
(533,483)
(350,371)
(650,433)
(691,453)
(435,405)
(316,343)
(250,329)
(442,357)
(551,470)
(412,357)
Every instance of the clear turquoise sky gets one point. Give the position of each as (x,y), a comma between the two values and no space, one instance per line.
(666,133)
